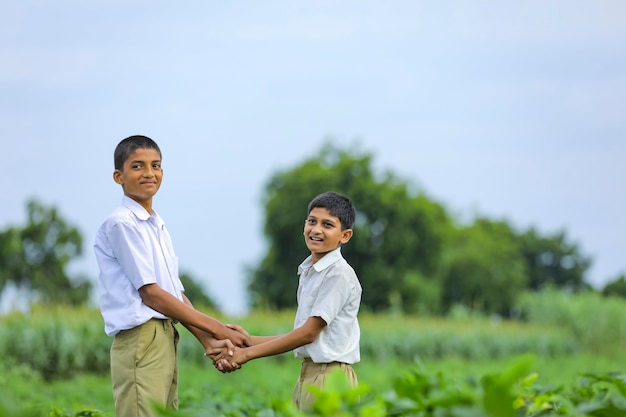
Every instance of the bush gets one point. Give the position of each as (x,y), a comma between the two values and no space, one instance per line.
(595,322)
(60,342)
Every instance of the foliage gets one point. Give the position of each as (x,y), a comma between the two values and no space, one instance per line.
(595,321)
(58,342)
(402,350)
(409,254)
(616,288)
(35,257)
(553,261)
(470,339)
(411,258)
(513,391)
(398,233)
(483,268)
(58,412)
(196,294)
(16,378)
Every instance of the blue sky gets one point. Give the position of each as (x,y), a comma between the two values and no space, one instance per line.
(513,110)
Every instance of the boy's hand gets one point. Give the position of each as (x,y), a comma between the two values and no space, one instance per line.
(239,337)
(238,328)
(220,352)
(239,356)
(218,349)
(224,366)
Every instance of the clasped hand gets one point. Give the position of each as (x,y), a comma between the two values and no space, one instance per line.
(225,355)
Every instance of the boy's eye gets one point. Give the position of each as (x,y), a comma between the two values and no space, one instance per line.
(310,221)
(156,166)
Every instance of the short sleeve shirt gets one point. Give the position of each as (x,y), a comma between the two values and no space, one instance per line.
(133,248)
(330,289)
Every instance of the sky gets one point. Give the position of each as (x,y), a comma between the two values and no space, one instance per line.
(512,110)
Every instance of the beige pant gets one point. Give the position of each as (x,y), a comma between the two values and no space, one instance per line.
(314,374)
(144,369)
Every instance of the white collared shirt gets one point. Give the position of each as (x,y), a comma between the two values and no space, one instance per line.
(331,290)
(133,248)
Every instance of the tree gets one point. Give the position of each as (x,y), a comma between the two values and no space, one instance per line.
(616,288)
(483,268)
(399,232)
(553,261)
(408,254)
(34,258)
(195,293)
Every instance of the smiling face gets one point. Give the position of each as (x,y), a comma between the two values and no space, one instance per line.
(323,234)
(141,176)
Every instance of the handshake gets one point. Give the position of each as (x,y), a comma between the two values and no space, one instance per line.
(232,347)
(226,356)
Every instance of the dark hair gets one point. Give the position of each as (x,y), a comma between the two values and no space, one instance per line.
(338,205)
(129,145)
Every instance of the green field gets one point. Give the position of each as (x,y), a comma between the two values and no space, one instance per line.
(203,387)
(55,363)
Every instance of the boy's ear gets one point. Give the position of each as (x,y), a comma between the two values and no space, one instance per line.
(117,177)
(346,235)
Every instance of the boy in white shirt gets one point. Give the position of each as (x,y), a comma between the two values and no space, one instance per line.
(141,296)
(326,331)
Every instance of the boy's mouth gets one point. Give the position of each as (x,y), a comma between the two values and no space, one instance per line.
(316,239)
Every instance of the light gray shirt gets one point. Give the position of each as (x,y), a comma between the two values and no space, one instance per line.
(133,248)
(331,290)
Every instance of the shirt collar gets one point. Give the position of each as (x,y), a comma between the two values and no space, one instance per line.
(326,261)
(139,211)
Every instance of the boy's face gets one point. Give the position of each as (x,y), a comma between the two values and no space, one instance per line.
(141,176)
(322,233)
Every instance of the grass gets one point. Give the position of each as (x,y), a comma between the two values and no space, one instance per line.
(265,379)
(459,347)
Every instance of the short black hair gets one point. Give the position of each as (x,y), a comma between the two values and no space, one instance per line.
(129,145)
(338,205)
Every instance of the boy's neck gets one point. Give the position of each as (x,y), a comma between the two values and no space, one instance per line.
(315,257)
(146,204)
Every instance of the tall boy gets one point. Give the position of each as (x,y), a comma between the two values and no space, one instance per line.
(141,295)
(326,330)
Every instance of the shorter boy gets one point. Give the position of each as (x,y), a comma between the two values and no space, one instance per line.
(326,330)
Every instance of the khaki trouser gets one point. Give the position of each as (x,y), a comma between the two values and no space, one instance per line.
(144,369)
(313,373)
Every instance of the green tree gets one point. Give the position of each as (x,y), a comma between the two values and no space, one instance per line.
(399,233)
(615,288)
(35,258)
(553,261)
(195,293)
(483,268)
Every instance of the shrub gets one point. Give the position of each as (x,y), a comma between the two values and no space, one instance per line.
(594,321)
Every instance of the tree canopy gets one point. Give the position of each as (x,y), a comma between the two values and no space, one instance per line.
(483,268)
(196,294)
(35,257)
(411,256)
(409,253)
(616,288)
(381,250)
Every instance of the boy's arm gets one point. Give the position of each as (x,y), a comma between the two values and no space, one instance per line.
(160,300)
(254,340)
(213,348)
(205,338)
(257,340)
(303,335)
